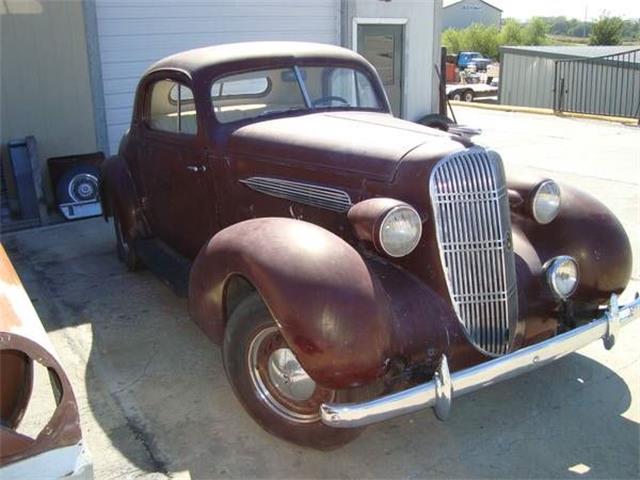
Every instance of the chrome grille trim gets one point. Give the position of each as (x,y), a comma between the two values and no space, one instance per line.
(305,193)
(473,228)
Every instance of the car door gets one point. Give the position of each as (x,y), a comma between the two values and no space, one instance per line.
(179,200)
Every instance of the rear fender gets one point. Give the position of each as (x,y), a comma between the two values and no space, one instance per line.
(329,306)
(118,196)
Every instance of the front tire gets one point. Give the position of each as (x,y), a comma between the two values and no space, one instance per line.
(270,383)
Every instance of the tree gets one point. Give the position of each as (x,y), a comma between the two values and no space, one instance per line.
(510,33)
(480,38)
(607,31)
(451,40)
(535,33)
(631,29)
(557,25)
(476,38)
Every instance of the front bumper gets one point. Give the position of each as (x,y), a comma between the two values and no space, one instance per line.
(439,392)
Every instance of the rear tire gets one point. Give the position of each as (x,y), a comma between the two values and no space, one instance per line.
(271,385)
(124,246)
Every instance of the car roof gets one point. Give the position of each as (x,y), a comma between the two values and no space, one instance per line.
(195,61)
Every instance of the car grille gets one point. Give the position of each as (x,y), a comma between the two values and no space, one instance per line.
(473,228)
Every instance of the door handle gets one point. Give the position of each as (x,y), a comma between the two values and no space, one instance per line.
(197,168)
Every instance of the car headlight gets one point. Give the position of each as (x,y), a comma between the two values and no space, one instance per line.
(545,202)
(400,231)
(562,275)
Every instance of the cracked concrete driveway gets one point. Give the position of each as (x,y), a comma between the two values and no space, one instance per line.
(154,398)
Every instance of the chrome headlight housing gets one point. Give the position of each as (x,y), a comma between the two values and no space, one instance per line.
(400,231)
(562,276)
(545,202)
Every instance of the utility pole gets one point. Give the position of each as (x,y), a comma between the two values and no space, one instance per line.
(584,25)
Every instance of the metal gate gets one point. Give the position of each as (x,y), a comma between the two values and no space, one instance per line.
(607,85)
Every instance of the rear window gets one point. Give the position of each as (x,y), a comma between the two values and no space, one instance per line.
(241,87)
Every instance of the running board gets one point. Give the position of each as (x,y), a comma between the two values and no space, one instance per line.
(168,265)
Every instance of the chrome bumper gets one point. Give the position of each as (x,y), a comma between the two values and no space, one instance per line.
(439,392)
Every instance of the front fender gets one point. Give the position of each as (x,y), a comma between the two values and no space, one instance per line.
(589,232)
(328,304)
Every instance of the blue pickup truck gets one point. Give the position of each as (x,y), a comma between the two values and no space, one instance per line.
(465,58)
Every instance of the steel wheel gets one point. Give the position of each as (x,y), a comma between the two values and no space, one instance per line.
(280,380)
(272,386)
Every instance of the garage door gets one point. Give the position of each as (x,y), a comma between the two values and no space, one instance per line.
(133,34)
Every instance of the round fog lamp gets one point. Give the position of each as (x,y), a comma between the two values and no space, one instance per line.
(562,275)
(545,203)
(400,231)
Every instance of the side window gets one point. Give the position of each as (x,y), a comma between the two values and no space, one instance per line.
(172,108)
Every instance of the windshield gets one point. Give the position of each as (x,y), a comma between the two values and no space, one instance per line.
(265,92)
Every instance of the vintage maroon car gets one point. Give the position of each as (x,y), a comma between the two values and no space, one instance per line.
(354,266)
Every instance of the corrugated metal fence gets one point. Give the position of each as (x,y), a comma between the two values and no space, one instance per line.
(607,85)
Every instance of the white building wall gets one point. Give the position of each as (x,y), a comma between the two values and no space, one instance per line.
(421,50)
(133,34)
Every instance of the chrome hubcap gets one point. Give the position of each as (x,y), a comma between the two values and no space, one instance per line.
(280,381)
(83,187)
(289,377)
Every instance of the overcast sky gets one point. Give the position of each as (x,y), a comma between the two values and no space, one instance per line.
(523,9)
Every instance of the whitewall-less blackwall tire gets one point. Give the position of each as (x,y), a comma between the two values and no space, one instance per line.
(271,384)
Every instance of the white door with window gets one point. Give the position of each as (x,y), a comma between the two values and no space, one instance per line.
(383,46)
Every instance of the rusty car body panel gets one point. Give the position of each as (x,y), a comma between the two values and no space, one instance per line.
(289,204)
(24,341)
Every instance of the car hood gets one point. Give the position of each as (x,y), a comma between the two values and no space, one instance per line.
(370,145)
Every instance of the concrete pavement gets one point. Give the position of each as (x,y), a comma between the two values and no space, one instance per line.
(155,401)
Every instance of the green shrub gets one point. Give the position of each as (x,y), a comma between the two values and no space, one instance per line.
(607,31)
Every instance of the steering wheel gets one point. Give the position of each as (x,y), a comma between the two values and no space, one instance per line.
(328,99)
